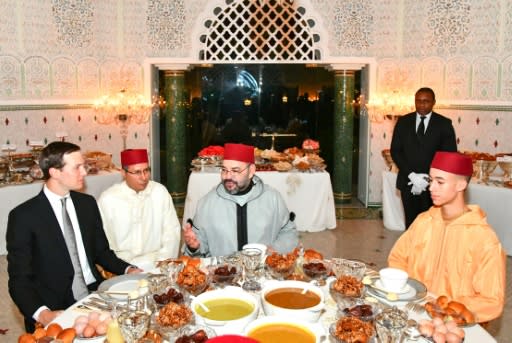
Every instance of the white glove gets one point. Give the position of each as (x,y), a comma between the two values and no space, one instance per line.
(419,182)
(415,190)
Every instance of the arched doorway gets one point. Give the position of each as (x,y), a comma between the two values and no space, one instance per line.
(247,32)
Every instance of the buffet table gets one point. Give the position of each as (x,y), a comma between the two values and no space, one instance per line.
(494,200)
(473,334)
(14,195)
(308,195)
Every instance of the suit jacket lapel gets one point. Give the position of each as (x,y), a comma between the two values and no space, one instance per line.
(48,216)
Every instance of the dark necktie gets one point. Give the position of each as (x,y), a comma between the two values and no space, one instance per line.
(79,286)
(421,128)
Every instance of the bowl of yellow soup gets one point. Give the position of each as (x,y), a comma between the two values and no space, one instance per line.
(277,329)
(293,299)
(229,309)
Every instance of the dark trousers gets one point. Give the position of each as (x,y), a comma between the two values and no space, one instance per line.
(414,204)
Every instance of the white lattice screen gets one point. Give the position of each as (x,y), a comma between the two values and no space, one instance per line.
(249,31)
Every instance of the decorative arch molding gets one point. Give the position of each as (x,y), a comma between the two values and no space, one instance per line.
(250,30)
(253,30)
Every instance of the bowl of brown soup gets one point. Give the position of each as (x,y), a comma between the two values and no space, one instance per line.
(292,299)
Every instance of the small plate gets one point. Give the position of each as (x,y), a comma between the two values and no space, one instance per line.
(417,291)
(404,290)
(122,283)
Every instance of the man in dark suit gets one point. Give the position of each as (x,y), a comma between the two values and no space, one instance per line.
(416,138)
(47,274)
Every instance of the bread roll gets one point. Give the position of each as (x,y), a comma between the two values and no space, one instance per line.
(67,335)
(39,332)
(26,338)
(442,301)
(456,306)
(468,316)
(53,330)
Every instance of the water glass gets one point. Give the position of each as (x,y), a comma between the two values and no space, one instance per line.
(133,324)
(391,324)
(157,283)
(251,258)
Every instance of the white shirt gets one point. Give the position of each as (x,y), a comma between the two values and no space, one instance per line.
(141,227)
(425,121)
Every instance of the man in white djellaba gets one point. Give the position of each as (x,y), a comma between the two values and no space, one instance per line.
(138,214)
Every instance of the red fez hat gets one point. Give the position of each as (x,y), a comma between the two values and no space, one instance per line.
(239,152)
(133,156)
(453,162)
(231,339)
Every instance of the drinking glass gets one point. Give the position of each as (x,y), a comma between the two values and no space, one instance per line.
(251,258)
(173,269)
(133,324)
(157,283)
(391,324)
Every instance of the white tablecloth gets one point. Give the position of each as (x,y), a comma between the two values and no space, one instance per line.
(474,334)
(308,195)
(495,201)
(14,195)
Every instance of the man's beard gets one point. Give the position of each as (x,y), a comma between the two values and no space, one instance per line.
(236,189)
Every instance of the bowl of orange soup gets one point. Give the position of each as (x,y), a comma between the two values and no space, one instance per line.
(277,329)
(229,309)
(292,299)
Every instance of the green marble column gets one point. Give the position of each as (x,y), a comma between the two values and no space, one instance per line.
(175,134)
(343,135)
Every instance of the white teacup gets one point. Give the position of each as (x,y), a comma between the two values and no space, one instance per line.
(259,246)
(393,279)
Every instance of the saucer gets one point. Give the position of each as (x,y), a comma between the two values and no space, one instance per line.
(404,289)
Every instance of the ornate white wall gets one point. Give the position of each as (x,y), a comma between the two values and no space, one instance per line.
(70,52)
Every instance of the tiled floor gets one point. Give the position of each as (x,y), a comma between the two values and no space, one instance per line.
(362,239)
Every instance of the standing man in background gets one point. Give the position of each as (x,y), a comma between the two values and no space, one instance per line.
(138,214)
(416,138)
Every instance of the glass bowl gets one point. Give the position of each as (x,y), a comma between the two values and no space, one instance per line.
(171,294)
(196,333)
(316,269)
(225,274)
(279,266)
(346,291)
(352,330)
(361,309)
(280,272)
(171,318)
(341,266)
(193,280)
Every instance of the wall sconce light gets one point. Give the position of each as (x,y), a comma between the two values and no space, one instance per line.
(284,99)
(247,102)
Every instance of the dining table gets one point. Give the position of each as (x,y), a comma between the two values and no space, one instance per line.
(491,196)
(308,195)
(473,334)
(13,195)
